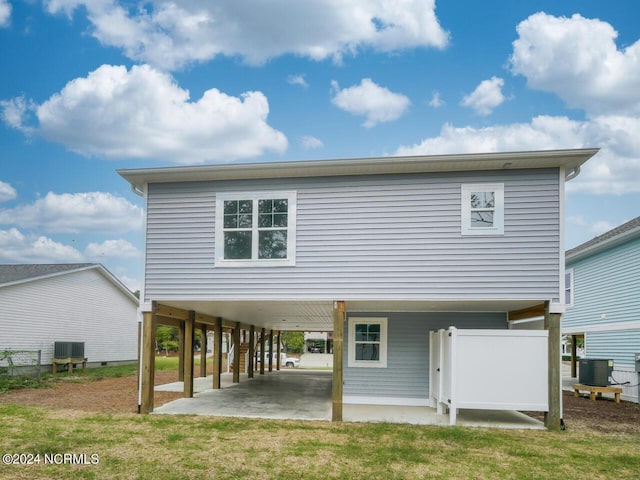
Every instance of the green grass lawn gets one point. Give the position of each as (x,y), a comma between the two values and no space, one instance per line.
(174,447)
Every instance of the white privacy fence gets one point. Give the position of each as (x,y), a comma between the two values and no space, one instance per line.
(488,370)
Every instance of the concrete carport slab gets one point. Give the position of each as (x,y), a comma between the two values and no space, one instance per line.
(284,394)
(306,395)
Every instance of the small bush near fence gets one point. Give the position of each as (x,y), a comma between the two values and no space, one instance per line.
(19,368)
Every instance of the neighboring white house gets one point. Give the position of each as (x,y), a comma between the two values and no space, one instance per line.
(602,288)
(46,303)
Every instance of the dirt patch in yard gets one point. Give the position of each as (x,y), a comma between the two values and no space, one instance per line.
(601,415)
(120,395)
(109,395)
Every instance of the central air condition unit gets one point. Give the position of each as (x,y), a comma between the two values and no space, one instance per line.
(595,371)
(68,350)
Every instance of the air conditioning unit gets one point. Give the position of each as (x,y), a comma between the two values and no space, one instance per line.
(68,350)
(595,371)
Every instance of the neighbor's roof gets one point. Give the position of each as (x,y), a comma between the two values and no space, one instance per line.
(569,159)
(15,274)
(623,233)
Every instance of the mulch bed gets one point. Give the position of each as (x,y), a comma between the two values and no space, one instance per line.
(120,395)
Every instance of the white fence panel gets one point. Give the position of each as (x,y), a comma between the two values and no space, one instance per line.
(493,370)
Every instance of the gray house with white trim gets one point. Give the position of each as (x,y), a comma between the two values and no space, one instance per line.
(81,302)
(381,251)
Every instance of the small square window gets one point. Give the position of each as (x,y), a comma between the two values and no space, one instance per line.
(482,210)
(367,342)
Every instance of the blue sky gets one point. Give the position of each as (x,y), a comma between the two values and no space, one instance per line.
(88,87)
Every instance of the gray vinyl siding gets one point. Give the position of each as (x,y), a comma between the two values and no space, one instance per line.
(606,288)
(606,296)
(80,306)
(407,372)
(364,237)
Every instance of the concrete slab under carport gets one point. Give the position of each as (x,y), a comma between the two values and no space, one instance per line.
(306,395)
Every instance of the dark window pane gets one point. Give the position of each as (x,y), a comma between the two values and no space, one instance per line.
(230,207)
(482,219)
(367,351)
(237,245)
(280,220)
(244,221)
(272,244)
(265,220)
(265,206)
(280,206)
(231,221)
(245,206)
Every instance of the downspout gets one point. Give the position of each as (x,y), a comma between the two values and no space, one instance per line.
(572,174)
(137,190)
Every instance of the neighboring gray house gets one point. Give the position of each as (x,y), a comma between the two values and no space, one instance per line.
(603,297)
(381,251)
(44,303)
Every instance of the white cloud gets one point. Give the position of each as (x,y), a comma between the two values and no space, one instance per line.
(487,96)
(142,113)
(436,101)
(111,248)
(171,34)
(615,169)
(297,80)
(16,247)
(594,227)
(73,213)
(7,192)
(577,59)
(5,13)
(378,104)
(13,112)
(310,142)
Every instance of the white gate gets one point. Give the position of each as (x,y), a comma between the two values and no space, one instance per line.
(488,370)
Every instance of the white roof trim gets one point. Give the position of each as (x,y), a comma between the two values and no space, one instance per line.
(569,159)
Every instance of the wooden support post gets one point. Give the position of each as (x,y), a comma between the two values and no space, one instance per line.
(278,348)
(236,353)
(270,350)
(203,350)
(338,346)
(217,353)
(252,351)
(181,352)
(552,324)
(574,356)
(189,331)
(148,359)
(262,333)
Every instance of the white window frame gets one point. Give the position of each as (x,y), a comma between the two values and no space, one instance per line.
(568,288)
(498,210)
(291,197)
(382,362)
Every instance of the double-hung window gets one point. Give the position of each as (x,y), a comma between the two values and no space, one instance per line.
(368,342)
(482,209)
(255,228)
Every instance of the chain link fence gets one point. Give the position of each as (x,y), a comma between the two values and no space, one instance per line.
(21,363)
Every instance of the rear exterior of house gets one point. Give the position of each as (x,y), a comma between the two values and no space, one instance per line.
(603,297)
(379,251)
(44,303)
